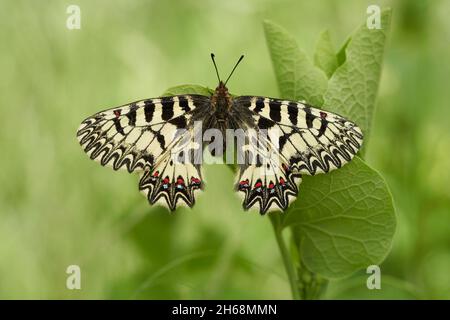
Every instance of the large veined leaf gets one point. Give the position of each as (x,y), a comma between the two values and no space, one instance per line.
(353,87)
(346,220)
(297,78)
(325,57)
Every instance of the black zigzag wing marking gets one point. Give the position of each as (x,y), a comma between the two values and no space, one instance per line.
(267,191)
(134,135)
(266,182)
(312,140)
(173,181)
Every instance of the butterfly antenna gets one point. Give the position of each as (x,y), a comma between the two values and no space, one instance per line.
(240,59)
(215,66)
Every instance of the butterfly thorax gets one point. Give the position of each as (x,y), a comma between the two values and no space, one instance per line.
(221,103)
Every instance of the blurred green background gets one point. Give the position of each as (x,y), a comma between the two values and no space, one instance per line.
(58,208)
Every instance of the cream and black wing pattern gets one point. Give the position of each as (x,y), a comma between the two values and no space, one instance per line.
(143,136)
(283,140)
(299,139)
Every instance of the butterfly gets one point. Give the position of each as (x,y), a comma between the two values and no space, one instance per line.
(144,135)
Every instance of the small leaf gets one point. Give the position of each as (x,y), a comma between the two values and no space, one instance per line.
(325,57)
(297,77)
(345,219)
(341,57)
(353,87)
(188,89)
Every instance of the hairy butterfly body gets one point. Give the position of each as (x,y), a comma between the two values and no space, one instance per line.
(144,135)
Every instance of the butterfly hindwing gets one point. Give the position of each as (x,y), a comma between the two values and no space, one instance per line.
(270,186)
(175,176)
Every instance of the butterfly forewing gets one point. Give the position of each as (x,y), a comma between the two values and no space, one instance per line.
(312,140)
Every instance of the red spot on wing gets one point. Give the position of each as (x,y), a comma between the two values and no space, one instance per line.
(243,184)
(117,113)
(323,115)
(195,183)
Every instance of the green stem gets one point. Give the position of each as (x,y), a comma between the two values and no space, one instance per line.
(288,264)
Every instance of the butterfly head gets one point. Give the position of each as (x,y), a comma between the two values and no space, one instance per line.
(221,89)
(221,100)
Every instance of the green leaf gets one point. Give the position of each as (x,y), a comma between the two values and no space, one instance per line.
(188,89)
(297,77)
(341,53)
(353,87)
(345,219)
(325,57)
